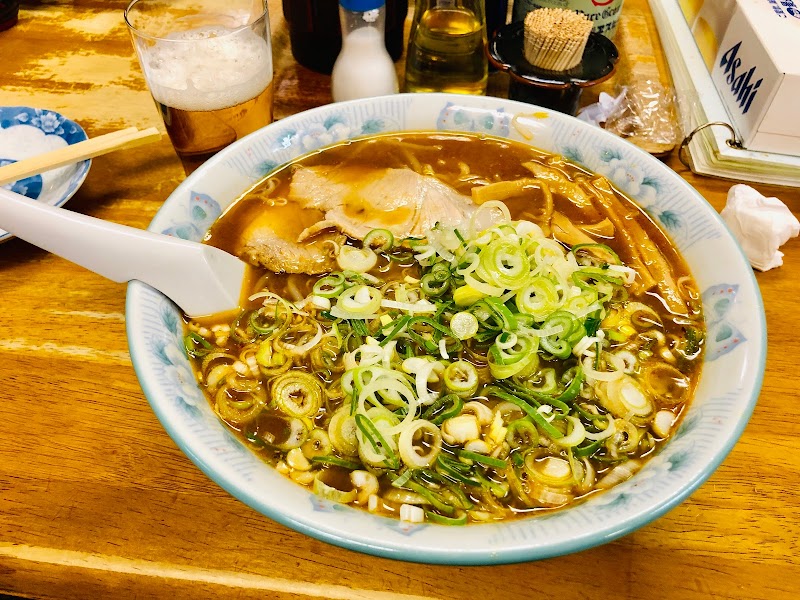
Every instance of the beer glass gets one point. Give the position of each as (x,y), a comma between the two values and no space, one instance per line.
(208,66)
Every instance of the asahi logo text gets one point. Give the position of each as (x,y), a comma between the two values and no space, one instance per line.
(741,82)
(783,8)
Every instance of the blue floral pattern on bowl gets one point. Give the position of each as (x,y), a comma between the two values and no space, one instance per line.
(26,132)
(723,335)
(724,400)
(199,212)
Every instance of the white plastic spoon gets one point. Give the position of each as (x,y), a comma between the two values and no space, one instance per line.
(200,279)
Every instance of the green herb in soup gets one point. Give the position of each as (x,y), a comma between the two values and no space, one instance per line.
(454,329)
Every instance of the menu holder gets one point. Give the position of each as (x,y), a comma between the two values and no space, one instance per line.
(711,145)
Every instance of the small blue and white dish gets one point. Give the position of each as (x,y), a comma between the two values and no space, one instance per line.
(27,132)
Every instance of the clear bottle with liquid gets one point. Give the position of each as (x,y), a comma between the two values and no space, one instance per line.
(446,47)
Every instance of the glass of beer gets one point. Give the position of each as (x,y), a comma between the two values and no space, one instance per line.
(208,66)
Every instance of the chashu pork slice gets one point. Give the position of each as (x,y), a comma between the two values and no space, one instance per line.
(356,200)
(271,241)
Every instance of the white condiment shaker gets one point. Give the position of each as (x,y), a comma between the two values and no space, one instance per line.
(364,67)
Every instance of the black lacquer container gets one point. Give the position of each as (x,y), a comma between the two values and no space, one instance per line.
(559,90)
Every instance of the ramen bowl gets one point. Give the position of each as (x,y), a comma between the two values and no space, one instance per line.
(27,132)
(724,399)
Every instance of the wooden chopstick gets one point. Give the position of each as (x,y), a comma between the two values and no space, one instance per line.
(103,144)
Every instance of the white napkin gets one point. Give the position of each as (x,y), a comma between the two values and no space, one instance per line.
(760,224)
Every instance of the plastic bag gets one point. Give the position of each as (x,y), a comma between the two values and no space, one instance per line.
(643,112)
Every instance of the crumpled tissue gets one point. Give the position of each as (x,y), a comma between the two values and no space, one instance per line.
(606,106)
(760,224)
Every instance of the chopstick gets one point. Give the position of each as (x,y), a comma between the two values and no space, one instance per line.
(103,144)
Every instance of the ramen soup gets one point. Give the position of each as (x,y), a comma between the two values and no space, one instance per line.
(450,329)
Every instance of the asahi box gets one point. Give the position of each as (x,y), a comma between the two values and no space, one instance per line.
(757,73)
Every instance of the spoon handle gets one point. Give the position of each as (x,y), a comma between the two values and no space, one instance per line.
(199,278)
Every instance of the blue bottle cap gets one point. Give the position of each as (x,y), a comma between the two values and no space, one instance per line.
(361,5)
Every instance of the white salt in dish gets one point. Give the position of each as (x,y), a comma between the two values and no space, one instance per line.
(27,132)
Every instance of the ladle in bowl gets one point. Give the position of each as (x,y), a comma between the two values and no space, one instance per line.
(200,279)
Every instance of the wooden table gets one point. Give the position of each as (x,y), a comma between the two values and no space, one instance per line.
(96,501)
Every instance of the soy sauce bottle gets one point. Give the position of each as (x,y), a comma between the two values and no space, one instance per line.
(316,37)
(9,13)
(496,13)
(496,17)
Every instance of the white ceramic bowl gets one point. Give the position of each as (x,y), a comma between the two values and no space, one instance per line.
(729,386)
(27,132)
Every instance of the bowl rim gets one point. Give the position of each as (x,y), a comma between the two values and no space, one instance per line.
(516,553)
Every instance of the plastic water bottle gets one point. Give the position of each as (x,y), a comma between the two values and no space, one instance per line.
(364,67)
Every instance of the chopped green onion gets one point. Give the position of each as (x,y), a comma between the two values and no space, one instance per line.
(432,286)
(460,496)
(583,278)
(443,408)
(547,379)
(577,248)
(522,433)
(435,499)
(453,470)
(504,316)
(381,240)
(376,440)
(527,408)
(244,334)
(489,461)
(498,489)
(574,387)
(464,325)
(558,344)
(297,394)
(592,324)
(330,286)
(360,260)
(335,461)
(443,520)
(587,449)
(403,478)
(359,327)
(461,378)
(398,325)
(196,345)
(265,322)
(538,298)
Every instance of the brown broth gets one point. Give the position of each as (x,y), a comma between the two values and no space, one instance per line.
(486,160)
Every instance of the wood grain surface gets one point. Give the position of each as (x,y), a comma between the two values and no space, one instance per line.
(96,501)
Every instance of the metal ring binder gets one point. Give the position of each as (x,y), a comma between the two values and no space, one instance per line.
(733,142)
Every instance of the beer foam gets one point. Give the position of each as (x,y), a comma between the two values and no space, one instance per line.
(207,68)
